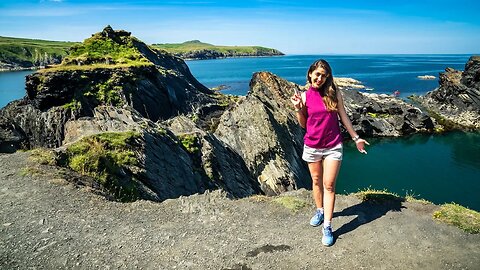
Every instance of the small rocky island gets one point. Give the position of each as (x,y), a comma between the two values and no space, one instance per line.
(133,123)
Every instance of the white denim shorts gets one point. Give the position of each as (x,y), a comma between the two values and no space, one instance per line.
(316,154)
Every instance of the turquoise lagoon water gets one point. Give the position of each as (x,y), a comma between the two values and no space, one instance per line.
(440,168)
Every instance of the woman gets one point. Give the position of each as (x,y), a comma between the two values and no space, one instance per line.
(318,110)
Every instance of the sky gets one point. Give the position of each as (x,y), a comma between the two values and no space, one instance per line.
(293,27)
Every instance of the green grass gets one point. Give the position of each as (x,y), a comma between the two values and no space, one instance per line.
(412,197)
(379,115)
(102,157)
(195,45)
(95,66)
(102,50)
(290,202)
(459,216)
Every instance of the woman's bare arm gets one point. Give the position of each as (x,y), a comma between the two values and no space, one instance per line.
(360,143)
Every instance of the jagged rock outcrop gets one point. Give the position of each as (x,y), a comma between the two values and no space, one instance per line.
(456,102)
(264,131)
(244,146)
(76,106)
(168,165)
(221,164)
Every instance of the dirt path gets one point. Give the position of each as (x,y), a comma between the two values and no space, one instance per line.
(47,223)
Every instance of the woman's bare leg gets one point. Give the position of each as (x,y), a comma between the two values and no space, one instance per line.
(330,173)
(316,172)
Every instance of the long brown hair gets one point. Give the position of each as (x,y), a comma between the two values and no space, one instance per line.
(328,90)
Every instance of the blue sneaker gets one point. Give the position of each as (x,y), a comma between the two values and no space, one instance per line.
(317,219)
(327,239)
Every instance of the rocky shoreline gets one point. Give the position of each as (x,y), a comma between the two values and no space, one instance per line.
(18,69)
(211,54)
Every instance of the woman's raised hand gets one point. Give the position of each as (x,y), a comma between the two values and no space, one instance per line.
(296,100)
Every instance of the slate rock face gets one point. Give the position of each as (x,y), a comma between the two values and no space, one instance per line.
(223,166)
(457,100)
(11,137)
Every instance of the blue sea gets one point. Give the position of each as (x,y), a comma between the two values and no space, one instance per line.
(441,168)
(381,73)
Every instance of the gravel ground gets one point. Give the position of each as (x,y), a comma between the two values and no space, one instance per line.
(47,222)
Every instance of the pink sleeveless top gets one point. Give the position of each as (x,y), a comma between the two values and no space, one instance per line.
(323,130)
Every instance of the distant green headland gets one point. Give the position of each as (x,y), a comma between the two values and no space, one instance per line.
(196,49)
(23,53)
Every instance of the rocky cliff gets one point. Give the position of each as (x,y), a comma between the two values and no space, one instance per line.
(103,110)
(136,123)
(456,102)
